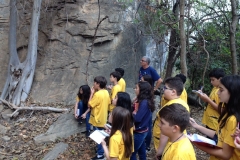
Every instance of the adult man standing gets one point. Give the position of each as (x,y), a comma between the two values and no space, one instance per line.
(146,69)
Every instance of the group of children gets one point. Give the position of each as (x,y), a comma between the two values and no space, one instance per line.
(132,126)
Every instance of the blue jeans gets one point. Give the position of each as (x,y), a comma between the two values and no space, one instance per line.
(139,146)
(80,107)
(100,150)
(88,125)
(149,135)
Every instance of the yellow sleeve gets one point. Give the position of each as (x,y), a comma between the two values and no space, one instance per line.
(230,128)
(114,147)
(94,102)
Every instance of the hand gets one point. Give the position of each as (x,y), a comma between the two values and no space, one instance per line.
(237,133)
(109,86)
(158,155)
(204,97)
(237,142)
(76,116)
(92,90)
(107,130)
(193,123)
(83,116)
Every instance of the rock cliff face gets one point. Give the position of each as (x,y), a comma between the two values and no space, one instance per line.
(66,33)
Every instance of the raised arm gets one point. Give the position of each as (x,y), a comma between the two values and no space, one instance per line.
(206,131)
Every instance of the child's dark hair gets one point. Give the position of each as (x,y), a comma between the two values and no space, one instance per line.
(124,101)
(116,75)
(148,79)
(217,73)
(101,81)
(175,114)
(182,77)
(120,121)
(85,95)
(175,83)
(120,70)
(145,92)
(232,84)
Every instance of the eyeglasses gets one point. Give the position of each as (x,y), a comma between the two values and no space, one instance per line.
(142,61)
(165,88)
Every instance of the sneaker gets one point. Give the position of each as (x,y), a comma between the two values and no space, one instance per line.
(87,134)
(98,157)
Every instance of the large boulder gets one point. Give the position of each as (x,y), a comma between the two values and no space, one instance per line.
(66,50)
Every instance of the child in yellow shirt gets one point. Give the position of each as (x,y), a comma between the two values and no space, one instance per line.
(211,115)
(98,102)
(121,136)
(114,78)
(174,120)
(172,91)
(229,94)
(121,82)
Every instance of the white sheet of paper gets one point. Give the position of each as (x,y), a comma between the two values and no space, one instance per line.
(199,138)
(97,136)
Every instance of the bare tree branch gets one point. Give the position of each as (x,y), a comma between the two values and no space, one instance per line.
(17,109)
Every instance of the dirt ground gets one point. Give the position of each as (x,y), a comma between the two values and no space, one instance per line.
(27,125)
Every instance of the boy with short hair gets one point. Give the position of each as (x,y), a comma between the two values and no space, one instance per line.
(114,78)
(183,96)
(121,82)
(98,102)
(174,120)
(211,115)
(172,90)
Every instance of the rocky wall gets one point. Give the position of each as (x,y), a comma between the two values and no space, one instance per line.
(66,33)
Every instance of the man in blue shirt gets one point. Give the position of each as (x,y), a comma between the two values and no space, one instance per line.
(146,69)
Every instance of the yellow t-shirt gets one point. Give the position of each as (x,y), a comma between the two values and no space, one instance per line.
(99,108)
(116,146)
(210,115)
(156,129)
(180,150)
(224,136)
(183,96)
(122,84)
(115,90)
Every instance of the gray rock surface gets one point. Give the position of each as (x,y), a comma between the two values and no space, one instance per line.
(66,32)
(3,129)
(65,126)
(6,138)
(1,107)
(5,114)
(58,149)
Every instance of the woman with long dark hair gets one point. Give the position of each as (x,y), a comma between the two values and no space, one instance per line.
(229,109)
(142,114)
(121,138)
(82,111)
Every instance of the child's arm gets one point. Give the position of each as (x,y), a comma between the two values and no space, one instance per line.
(75,110)
(91,96)
(223,153)
(205,98)
(208,132)
(162,144)
(84,114)
(106,151)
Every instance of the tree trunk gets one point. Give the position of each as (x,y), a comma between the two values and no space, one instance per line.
(20,75)
(173,43)
(183,61)
(232,31)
